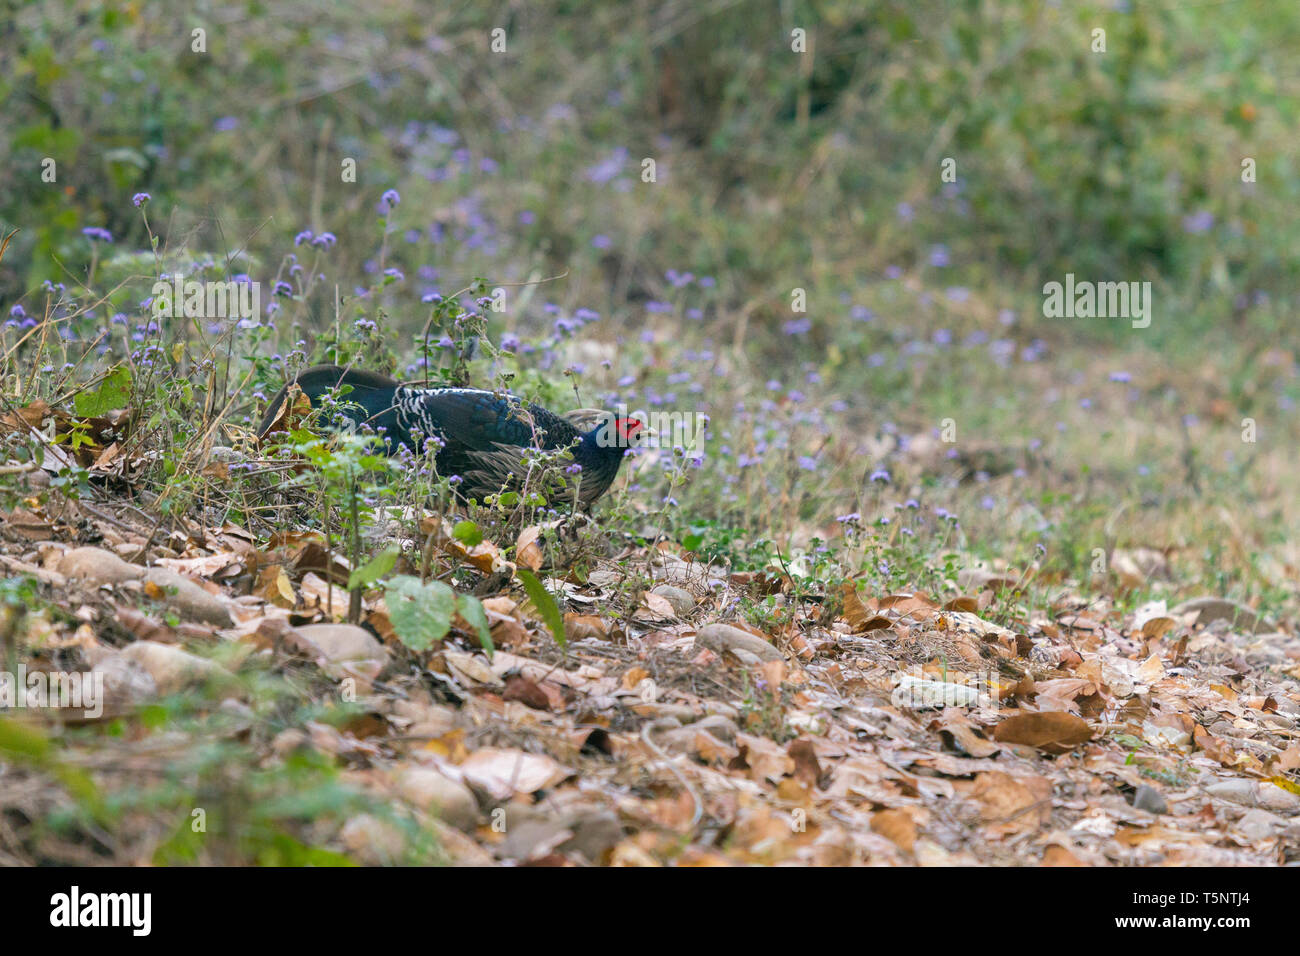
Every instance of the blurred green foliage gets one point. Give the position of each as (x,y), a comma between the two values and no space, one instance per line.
(816,169)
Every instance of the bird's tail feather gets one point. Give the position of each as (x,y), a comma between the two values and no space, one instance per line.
(317,381)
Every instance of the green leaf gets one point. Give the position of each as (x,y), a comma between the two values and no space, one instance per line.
(545,604)
(113,392)
(280,849)
(470,608)
(373,570)
(21,740)
(420,613)
(20,743)
(467,533)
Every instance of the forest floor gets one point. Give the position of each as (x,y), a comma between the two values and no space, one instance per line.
(243,718)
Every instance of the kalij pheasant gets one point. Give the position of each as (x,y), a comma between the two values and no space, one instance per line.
(479,435)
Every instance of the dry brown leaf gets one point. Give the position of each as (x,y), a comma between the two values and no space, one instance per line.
(860,618)
(962,732)
(527,551)
(507,631)
(470,668)
(527,692)
(658,607)
(144,627)
(26,419)
(807,768)
(762,759)
(295,407)
(1053,731)
(1157,627)
(500,604)
(27,525)
(314,558)
(788,790)
(774,673)
(712,750)
(896,826)
(1215,748)
(916,606)
(317,594)
(485,556)
(208,565)
(1290,759)
(1057,855)
(378,621)
(1151,670)
(581,627)
(633,676)
(1012,804)
(274,587)
(503,773)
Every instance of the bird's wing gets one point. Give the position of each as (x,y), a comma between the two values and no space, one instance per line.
(508,466)
(480,420)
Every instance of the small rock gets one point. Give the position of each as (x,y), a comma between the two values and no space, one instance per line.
(172,668)
(721,727)
(426,720)
(188,599)
(289,740)
(1149,799)
(462,850)
(1238,790)
(723,637)
(372,841)
(344,642)
(532,838)
(126,684)
(1213,609)
(681,599)
(681,739)
(1249,793)
(594,832)
(1138,566)
(1260,824)
(97,566)
(437,793)
(1272,797)
(349,651)
(673,570)
(233,707)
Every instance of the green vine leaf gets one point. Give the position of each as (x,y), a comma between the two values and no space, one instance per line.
(420,613)
(545,604)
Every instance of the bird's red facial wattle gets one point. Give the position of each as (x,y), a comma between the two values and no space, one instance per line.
(628,429)
(620,431)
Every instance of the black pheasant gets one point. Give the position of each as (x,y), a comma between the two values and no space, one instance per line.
(481,438)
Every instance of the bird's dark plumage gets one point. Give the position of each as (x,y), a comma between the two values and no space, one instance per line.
(479,435)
